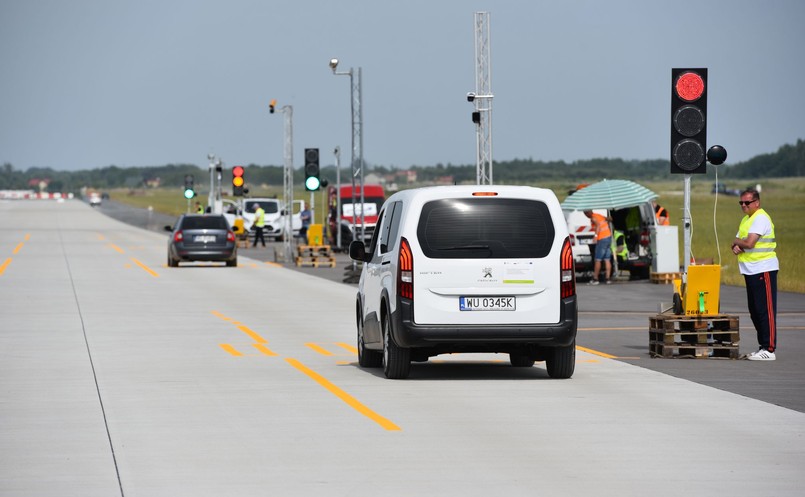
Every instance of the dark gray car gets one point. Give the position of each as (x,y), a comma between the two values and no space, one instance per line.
(202,237)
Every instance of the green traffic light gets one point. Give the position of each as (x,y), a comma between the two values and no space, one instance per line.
(188,193)
(312,184)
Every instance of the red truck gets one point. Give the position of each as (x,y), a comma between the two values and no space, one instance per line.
(350,222)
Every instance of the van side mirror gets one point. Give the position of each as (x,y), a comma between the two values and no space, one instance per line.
(168,228)
(357,251)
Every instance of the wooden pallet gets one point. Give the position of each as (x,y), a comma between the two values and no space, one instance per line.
(694,336)
(315,261)
(313,251)
(664,278)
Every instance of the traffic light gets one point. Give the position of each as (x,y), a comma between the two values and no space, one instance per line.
(312,181)
(688,121)
(238,180)
(271,105)
(189,192)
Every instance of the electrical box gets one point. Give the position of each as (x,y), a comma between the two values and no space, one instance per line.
(702,290)
(665,249)
(315,235)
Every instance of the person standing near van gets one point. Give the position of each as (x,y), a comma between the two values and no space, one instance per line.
(259,224)
(603,246)
(755,246)
(661,214)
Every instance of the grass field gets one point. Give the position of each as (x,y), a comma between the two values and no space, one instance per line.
(715,218)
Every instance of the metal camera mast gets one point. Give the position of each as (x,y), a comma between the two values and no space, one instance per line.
(482,98)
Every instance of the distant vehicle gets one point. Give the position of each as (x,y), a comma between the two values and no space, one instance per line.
(274,216)
(95,199)
(373,197)
(722,189)
(201,237)
(467,269)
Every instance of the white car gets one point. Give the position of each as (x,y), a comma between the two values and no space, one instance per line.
(274,216)
(467,269)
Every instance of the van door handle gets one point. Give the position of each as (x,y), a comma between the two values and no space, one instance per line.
(385,263)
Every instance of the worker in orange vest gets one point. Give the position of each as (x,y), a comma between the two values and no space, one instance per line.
(603,246)
(661,214)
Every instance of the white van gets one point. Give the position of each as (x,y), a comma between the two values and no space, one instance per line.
(467,269)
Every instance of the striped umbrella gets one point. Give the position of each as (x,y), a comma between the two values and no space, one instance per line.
(609,194)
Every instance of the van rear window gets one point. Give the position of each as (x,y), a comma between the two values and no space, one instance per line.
(484,228)
(205,223)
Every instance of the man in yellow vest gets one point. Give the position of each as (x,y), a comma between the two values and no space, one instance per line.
(259,224)
(755,246)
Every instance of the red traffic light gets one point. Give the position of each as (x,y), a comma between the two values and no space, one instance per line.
(689,86)
(238,180)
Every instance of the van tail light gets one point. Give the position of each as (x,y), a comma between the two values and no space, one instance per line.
(230,236)
(645,238)
(178,237)
(405,278)
(567,279)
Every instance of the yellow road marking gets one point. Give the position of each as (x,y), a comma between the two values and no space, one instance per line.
(273,264)
(101,237)
(348,399)
(221,316)
(118,249)
(18,247)
(257,338)
(320,350)
(146,268)
(348,347)
(231,349)
(595,352)
(27,236)
(264,350)
(4,266)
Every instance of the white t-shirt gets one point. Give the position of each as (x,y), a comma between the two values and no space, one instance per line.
(761,225)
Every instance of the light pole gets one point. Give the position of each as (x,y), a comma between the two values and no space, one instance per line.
(357,137)
(337,153)
(287,176)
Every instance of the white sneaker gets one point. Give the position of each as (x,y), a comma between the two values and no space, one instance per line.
(762,355)
(593,282)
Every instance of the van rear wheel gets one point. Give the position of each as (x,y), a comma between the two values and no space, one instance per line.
(396,359)
(561,362)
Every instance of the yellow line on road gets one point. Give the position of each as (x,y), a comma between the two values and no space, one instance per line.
(221,316)
(257,338)
(120,250)
(231,349)
(595,352)
(348,347)
(146,268)
(18,247)
(264,350)
(27,236)
(348,399)
(320,350)
(4,266)
(273,264)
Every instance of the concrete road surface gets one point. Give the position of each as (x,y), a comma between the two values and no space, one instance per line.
(121,376)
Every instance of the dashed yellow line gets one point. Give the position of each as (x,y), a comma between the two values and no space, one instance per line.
(595,352)
(264,350)
(272,264)
(256,336)
(4,266)
(351,401)
(232,350)
(319,349)
(348,347)
(18,248)
(118,249)
(145,268)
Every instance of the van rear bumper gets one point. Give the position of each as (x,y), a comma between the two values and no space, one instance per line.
(485,337)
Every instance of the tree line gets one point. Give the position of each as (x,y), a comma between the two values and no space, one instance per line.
(787,161)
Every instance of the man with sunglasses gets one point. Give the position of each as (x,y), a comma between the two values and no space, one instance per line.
(755,246)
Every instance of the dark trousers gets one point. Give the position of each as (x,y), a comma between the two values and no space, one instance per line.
(258,235)
(761,295)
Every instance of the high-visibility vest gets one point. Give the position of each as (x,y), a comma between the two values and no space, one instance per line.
(662,212)
(260,217)
(603,231)
(764,248)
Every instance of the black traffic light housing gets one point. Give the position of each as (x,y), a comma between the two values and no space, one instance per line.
(238,181)
(189,190)
(689,121)
(312,180)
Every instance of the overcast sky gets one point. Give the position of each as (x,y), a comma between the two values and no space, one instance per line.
(92,83)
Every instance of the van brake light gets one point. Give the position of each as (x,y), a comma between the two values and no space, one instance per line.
(405,280)
(567,279)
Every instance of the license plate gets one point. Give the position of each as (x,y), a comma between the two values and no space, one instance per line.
(204,238)
(586,241)
(486,303)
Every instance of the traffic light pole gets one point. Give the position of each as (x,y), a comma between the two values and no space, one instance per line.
(686,228)
(287,180)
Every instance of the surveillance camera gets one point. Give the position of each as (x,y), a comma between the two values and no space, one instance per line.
(470,97)
(333,64)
